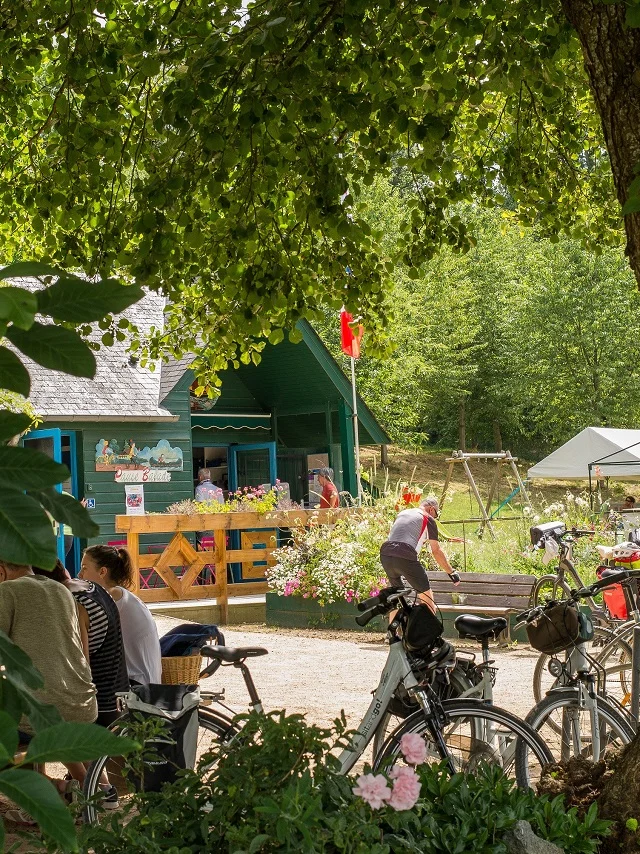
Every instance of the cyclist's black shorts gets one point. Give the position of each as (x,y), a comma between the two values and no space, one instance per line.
(400,561)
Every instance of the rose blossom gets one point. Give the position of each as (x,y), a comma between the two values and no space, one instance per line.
(406,788)
(413,748)
(373,789)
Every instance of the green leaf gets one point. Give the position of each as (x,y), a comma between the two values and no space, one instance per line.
(12,424)
(26,533)
(41,715)
(69,511)
(25,269)
(29,469)
(11,700)
(8,734)
(18,663)
(40,798)
(56,348)
(631,206)
(13,374)
(18,305)
(257,842)
(79,301)
(631,824)
(69,742)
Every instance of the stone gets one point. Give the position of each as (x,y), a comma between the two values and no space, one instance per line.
(522,840)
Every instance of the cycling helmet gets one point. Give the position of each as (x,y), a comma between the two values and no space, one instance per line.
(626,553)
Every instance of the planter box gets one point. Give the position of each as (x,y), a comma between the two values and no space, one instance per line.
(299,613)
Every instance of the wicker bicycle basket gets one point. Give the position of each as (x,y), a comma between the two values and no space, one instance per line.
(181,669)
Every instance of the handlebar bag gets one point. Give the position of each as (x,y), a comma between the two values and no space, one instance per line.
(556,628)
(422,629)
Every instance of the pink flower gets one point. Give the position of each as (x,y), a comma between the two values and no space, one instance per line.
(413,748)
(406,788)
(373,789)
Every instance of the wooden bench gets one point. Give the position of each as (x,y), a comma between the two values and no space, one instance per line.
(488,594)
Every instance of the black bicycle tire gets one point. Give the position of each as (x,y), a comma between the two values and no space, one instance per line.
(559,696)
(566,589)
(477,709)
(543,660)
(207,719)
(382,730)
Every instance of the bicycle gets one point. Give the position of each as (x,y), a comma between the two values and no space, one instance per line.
(461,732)
(576,718)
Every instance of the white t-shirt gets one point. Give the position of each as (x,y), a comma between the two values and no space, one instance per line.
(141,644)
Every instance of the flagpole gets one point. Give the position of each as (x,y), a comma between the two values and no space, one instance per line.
(356,438)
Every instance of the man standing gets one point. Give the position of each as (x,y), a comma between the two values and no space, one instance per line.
(399,555)
(207,491)
(329,496)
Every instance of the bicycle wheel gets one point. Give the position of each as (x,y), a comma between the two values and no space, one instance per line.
(476,734)
(214,730)
(458,682)
(548,587)
(613,654)
(565,725)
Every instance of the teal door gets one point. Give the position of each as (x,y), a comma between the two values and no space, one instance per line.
(252,465)
(61,447)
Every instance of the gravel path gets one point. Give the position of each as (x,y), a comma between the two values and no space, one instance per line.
(320,674)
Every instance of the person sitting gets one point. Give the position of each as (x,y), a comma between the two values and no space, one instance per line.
(40,616)
(629,503)
(112,569)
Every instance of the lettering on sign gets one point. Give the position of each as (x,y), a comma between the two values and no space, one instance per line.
(142,476)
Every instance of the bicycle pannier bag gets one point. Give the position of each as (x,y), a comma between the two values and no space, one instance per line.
(174,748)
(613,596)
(558,627)
(422,629)
(539,531)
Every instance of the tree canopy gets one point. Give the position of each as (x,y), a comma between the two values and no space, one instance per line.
(219,150)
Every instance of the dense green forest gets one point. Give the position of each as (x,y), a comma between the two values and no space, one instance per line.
(520,342)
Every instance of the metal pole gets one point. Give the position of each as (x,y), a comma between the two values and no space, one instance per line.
(356,438)
(635,673)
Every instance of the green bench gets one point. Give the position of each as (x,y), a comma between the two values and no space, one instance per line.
(487,594)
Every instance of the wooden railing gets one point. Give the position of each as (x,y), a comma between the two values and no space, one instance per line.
(177,572)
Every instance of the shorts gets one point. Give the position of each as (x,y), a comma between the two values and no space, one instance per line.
(400,562)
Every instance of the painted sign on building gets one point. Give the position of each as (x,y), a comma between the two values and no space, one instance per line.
(143,476)
(112,455)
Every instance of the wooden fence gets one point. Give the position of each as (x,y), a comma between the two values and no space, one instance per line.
(176,571)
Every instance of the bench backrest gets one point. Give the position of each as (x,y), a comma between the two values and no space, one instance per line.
(491,589)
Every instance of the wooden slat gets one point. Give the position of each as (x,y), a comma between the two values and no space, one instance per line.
(484,609)
(165,594)
(170,557)
(497,577)
(160,523)
(252,571)
(220,551)
(251,588)
(249,555)
(189,577)
(133,547)
(520,602)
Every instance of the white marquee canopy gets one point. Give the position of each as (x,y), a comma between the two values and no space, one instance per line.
(605,448)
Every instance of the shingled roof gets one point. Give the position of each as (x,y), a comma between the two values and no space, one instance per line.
(121,389)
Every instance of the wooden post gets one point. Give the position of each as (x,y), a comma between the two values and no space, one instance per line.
(384,456)
(133,547)
(519,481)
(220,560)
(447,481)
(483,513)
(492,489)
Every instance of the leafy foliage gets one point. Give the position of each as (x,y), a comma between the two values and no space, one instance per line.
(277,789)
(220,150)
(55,741)
(28,479)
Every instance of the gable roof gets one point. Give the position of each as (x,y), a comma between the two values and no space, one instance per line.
(120,391)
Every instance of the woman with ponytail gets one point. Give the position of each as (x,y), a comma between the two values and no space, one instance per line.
(111,568)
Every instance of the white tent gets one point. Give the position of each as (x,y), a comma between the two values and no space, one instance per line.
(604,448)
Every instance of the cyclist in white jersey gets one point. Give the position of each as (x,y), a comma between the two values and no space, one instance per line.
(399,555)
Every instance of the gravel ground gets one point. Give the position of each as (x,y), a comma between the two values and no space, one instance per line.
(321,673)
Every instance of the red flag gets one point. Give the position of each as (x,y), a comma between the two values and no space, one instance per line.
(349,339)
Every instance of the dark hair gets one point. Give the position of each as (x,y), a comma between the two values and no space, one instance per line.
(117,562)
(58,573)
(630,499)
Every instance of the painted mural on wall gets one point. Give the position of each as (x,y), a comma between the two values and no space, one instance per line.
(112,455)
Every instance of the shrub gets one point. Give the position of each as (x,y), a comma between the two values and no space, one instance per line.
(278,790)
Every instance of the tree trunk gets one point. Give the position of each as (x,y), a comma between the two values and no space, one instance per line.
(384,456)
(497,436)
(612,61)
(462,425)
(619,801)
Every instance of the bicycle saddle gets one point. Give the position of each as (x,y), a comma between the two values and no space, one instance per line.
(231,654)
(478,628)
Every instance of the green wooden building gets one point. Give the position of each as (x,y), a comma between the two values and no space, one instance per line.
(132,427)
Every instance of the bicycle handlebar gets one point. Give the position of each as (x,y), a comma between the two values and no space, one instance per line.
(383,597)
